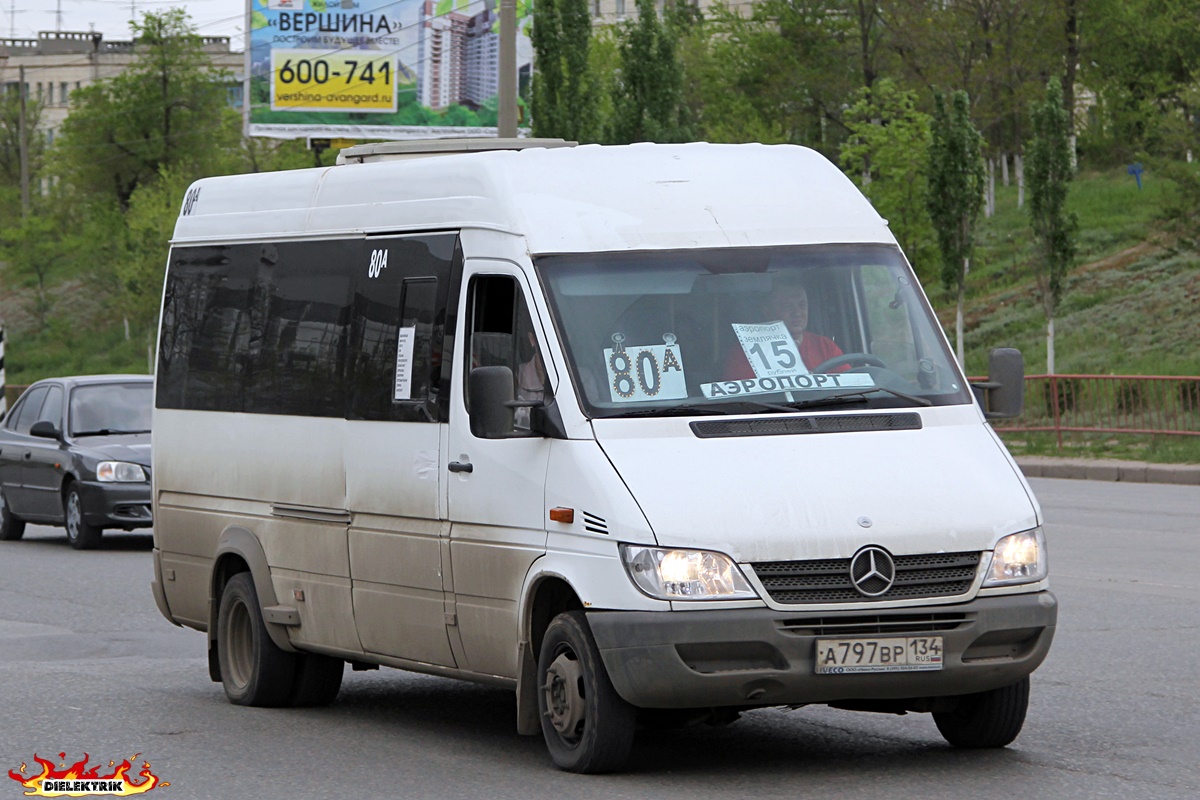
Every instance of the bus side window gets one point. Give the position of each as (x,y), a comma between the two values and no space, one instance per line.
(501,333)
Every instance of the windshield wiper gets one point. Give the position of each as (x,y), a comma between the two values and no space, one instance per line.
(856,397)
(709,409)
(755,406)
(106,432)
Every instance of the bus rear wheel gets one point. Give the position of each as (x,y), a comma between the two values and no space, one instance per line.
(254,670)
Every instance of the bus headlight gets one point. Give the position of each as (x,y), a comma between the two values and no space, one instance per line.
(1019,558)
(669,574)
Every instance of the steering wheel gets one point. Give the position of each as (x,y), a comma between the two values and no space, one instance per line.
(864,359)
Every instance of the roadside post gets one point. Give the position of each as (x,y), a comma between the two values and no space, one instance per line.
(3,402)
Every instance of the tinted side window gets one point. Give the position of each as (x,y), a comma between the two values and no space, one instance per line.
(52,407)
(398,328)
(298,363)
(501,334)
(27,413)
(207,322)
(308,328)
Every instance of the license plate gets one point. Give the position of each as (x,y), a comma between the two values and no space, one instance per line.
(893,654)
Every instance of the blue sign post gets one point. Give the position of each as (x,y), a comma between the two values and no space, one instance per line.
(1136,171)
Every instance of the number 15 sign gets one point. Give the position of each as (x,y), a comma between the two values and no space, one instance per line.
(770,349)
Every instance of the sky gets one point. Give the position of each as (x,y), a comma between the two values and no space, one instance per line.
(111,17)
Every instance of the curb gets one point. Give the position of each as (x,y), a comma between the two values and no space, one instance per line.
(1109,470)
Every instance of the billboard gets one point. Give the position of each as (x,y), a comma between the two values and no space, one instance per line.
(377,69)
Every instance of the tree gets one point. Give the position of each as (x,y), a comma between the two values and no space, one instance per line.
(1049,176)
(648,91)
(998,51)
(1141,58)
(10,137)
(781,74)
(564,91)
(149,224)
(30,250)
(887,154)
(168,110)
(956,182)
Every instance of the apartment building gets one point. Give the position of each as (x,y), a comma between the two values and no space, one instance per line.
(57,63)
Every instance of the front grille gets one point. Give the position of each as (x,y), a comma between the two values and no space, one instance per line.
(828,580)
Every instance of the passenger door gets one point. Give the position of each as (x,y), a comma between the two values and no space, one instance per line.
(43,468)
(495,487)
(393,443)
(16,451)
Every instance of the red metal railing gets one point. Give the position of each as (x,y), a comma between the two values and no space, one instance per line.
(1155,404)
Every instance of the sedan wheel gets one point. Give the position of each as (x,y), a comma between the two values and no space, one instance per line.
(80,534)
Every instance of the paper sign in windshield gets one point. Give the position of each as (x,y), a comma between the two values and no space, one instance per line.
(787,383)
(770,349)
(645,372)
(404,364)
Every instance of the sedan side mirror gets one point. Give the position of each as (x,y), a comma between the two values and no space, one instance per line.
(45,429)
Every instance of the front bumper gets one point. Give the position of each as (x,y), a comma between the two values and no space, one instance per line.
(116,505)
(762,657)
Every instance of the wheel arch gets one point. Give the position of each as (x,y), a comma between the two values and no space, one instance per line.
(239,550)
(546,595)
(68,478)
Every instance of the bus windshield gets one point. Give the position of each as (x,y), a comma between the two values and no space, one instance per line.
(742,330)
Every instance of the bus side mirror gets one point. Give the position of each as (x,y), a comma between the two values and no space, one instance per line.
(1002,396)
(490,392)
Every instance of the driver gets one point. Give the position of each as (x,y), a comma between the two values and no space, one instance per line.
(789,303)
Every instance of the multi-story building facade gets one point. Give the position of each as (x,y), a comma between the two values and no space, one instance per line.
(483,58)
(58,63)
(459,58)
(607,12)
(443,57)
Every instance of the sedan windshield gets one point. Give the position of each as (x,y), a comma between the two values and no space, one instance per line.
(748,330)
(111,408)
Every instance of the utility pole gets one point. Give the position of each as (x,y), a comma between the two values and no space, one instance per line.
(12,18)
(506,112)
(23,142)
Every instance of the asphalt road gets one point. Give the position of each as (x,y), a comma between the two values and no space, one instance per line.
(87,665)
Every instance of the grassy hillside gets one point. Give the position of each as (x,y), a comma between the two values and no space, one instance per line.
(1129,307)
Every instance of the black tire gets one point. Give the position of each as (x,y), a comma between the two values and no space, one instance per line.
(11,528)
(587,726)
(254,670)
(987,719)
(80,534)
(318,680)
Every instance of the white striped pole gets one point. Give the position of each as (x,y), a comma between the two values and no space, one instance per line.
(3,402)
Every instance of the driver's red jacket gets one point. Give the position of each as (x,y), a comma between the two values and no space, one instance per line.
(815,349)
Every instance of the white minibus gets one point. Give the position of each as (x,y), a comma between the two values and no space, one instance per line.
(647,434)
